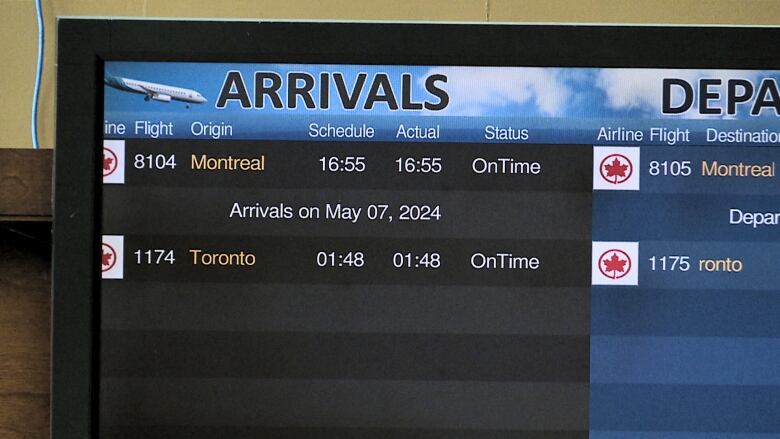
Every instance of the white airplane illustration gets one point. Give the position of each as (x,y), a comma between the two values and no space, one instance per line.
(158,92)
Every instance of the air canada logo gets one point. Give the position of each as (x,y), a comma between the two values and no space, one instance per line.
(108,257)
(614,263)
(615,168)
(113,162)
(110,162)
(111,257)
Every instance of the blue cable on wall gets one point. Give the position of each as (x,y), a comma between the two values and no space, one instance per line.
(38,74)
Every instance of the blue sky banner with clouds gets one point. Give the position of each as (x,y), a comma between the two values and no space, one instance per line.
(526,92)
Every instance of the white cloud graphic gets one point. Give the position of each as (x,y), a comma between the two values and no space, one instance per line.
(478,91)
(642,89)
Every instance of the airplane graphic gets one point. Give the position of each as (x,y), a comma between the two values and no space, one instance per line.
(158,92)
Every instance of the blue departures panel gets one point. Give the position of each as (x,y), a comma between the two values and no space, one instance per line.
(691,351)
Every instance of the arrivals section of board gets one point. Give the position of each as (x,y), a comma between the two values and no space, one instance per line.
(456,269)
(540,253)
(384,213)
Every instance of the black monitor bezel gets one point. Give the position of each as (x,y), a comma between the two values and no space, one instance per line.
(85,44)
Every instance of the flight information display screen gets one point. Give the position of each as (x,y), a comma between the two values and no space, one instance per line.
(407,251)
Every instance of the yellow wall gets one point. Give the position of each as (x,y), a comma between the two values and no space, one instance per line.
(18,38)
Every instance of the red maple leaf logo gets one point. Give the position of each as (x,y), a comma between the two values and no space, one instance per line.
(107,163)
(106,258)
(614,265)
(616,169)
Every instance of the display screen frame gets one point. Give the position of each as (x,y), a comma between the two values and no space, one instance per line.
(85,44)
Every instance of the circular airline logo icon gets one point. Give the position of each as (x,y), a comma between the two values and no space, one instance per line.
(614,263)
(110,162)
(616,168)
(108,257)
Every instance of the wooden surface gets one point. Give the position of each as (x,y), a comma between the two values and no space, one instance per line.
(25,184)
(25,277)
(25,251)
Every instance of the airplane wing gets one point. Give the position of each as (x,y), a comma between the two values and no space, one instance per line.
(156,96)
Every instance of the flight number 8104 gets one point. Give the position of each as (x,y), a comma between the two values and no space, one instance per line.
(154,161)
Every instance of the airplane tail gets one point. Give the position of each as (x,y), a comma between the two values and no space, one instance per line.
(113,81)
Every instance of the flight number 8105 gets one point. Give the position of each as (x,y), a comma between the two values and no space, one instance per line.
(673,168)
